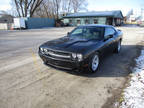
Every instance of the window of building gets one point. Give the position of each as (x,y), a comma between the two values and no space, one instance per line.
(78,22)
(70,21)
(95,21)
(86,21)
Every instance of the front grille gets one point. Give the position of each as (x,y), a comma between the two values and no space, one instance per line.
(57,54)
(58,63)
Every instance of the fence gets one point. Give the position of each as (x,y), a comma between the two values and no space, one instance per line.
(32,23)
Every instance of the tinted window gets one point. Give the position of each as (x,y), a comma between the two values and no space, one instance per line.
(109,31)
(88,32)
(76,32)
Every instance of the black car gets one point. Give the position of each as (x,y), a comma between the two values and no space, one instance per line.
(82,47)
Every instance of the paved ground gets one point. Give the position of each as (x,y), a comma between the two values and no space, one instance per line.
(25,82)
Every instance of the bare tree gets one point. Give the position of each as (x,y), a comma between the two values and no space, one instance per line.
(26,7)
(49,8)
(57,4)
(66,6)
(53,8)
(79,5)
(46,9)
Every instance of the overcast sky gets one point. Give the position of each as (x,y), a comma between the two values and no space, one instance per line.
(5,5)
(98,5)
(124,5)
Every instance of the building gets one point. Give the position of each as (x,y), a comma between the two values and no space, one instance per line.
(97,17)
(6,21)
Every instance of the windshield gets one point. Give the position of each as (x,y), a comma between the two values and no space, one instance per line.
(88,32)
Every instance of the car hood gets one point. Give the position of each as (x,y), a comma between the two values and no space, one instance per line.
(70,44)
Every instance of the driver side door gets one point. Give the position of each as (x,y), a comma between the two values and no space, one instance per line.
(109,38)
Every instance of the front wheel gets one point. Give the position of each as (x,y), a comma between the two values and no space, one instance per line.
(94,63)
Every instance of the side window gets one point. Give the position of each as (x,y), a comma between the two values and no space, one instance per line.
(109,31)
(77,31)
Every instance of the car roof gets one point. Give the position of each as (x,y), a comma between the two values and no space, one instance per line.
(95,25)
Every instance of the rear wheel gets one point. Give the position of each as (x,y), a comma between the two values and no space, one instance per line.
(118,47)
(94,63)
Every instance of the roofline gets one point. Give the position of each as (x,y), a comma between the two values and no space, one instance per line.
(121,14)
(96,15)
(87,16)
(91,16)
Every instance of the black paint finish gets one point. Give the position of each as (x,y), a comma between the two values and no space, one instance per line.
(67,45)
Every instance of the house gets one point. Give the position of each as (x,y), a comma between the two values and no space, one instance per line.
(114,18)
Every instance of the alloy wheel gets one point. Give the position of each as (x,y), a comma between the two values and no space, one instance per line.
(95,62)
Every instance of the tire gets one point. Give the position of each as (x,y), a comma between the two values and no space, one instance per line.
(118,47)
(94,63)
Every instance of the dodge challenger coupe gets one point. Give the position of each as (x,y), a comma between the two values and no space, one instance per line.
(82,47)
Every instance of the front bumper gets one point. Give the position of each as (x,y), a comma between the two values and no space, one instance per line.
(62,63)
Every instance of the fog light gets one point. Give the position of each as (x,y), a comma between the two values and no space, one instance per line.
(80,57)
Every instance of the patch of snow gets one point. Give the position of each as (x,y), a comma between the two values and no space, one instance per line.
(134,93)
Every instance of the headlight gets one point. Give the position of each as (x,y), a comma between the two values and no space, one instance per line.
(74,55)
(80,57)
(42,49)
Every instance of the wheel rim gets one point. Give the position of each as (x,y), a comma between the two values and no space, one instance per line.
(95,62)
(119,46)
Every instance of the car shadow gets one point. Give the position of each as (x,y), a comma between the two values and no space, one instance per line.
(113,65)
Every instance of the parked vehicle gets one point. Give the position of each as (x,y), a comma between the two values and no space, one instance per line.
(82,47)
(19,23)
(141,23)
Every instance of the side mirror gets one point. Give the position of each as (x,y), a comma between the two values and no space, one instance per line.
(108,37)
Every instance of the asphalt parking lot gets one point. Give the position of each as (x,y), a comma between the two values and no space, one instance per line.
(25,82)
